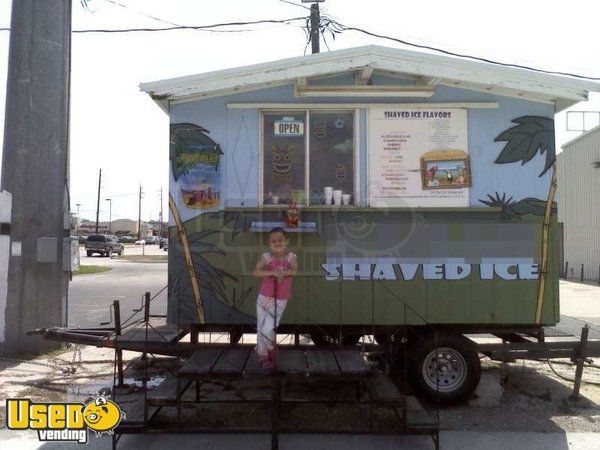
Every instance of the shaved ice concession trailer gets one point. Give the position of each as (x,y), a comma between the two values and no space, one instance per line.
(424,188)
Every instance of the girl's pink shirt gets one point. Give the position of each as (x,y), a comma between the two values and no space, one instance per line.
(270,287)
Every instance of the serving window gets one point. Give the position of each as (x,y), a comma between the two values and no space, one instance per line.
(308,157)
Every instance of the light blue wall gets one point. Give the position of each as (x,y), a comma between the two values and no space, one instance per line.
(237,131)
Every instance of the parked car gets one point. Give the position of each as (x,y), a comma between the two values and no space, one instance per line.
(104,244)
(164,244)
(140,242)
(127,239)
(152,240)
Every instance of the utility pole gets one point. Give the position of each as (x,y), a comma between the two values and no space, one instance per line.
(98,201)
(109,200)
(160,233)
(36,147)
(315,20)
(78,219)
(140,214)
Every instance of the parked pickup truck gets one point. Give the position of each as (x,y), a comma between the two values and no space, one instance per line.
(104,244)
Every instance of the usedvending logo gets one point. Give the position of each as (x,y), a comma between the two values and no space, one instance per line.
(63,421)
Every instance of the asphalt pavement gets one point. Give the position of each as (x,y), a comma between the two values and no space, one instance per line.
(90,296)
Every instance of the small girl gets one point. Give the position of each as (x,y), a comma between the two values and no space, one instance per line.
(277,268)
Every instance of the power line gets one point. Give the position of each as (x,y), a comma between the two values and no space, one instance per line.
(122,5)
(195,27)
(286,1)
(334,26)
(158,19)
(209,28)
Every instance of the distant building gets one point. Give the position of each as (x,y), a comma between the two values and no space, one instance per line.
(125,227)
(87,227)
(120,227)
(579,203)
(156,225)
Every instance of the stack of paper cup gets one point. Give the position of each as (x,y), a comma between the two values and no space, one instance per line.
(337,197)
(328,194)
(346,199)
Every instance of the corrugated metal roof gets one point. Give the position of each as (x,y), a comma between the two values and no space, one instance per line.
(445,70)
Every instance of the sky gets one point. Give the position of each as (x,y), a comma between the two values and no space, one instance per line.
(116,127)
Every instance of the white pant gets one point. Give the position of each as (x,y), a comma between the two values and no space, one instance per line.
(268,314)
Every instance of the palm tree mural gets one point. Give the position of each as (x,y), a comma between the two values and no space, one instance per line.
(530,135)
(196,259)
(191,268)
(513,210)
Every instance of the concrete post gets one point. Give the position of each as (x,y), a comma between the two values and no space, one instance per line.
(5,209)
(35,170)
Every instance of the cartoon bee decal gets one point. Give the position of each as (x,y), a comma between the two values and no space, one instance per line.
(102,416)
(282,163)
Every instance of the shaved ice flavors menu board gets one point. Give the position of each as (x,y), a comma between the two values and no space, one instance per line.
(418,157)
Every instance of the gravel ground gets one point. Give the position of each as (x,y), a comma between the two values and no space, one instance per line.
(527,396)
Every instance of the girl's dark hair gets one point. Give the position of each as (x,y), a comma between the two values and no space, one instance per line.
(278,230)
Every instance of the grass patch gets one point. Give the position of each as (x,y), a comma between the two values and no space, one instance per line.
(87,270)
(144,258)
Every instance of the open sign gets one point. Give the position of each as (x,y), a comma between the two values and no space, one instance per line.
(289,127)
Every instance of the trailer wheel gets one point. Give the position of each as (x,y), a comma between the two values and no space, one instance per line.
(444,370)
(322,339)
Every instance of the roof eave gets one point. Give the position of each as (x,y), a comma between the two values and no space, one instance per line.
(513,81)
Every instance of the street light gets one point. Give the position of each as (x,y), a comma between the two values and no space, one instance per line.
(109,200)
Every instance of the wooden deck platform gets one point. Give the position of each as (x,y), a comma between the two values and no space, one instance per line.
(359,386)
(241,361)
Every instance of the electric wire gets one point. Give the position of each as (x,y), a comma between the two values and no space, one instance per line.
(193,27)
(149,16)
(295,4)
(334,27)
(209,28)
(337,27)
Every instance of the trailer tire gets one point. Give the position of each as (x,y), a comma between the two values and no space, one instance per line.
(444,370)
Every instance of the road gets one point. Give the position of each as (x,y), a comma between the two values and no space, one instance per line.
(90,296)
